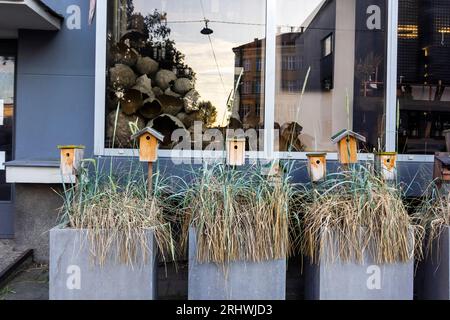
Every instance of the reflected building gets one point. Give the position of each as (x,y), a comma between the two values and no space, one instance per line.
(332,41)
(249,79)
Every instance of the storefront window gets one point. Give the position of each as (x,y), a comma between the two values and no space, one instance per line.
(173,63)
(336,51)
(7,66)
(423,76)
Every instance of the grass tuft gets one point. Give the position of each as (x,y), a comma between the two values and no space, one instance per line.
(354,213)
(238,215)
(117,212)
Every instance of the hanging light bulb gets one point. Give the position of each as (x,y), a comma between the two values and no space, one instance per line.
(206,31)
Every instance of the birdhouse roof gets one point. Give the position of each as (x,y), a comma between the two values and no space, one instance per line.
(316,154)
(444,159)
(346,133)
(236,139)
(71,147)
(149,130)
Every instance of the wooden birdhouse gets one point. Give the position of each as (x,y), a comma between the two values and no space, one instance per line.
(347,142)
(71,157)
(149,140)
(317,166)
(386,165)
(442,168)
(273,171)
(236,151)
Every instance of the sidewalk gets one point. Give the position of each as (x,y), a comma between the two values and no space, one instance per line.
(30,283)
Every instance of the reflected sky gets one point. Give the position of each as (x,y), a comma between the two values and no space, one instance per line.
(235,22)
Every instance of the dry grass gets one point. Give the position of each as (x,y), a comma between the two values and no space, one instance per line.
(353,213)
(118,212)
(434,215)
(238,215)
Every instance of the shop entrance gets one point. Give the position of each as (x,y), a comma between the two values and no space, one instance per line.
(7,107)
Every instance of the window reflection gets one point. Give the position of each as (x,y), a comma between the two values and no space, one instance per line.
(172,63)
(334,49)
(423,75)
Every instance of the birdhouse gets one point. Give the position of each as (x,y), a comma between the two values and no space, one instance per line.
(442,168)
(347,142)
(149,140)
(317,166)
(71,157)
(236,151)
(386,165)
(273,171)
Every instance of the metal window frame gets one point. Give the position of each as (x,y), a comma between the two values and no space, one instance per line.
(269,63)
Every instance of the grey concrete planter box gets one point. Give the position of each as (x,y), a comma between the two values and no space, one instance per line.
(74,276)
(335,280)
(243,281)
(435,270)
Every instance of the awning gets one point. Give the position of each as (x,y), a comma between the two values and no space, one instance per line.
(27,14)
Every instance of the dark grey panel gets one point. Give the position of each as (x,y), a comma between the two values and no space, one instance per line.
(53,110)
(6,220)
(58,5)
(66,52)
(415,177)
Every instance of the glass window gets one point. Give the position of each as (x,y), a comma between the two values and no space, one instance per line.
(340,50)
(172,64)
(259,64)
(423,76)
(258,88)
(7,66)
(247,65)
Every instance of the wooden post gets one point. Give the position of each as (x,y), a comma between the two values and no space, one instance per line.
(150,179)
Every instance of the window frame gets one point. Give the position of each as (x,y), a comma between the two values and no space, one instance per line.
(269,64)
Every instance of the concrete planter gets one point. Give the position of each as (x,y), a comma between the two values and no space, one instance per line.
(73,276)
(354,281)
(243,281)
(435,270)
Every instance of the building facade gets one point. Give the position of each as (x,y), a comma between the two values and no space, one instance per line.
(305,68)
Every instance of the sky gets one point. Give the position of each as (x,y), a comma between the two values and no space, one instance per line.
(226,36)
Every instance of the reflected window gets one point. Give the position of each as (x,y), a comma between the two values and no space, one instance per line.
(259,64)
(247,65)
(174,64)
(327,46)
(336,50)
(423,76)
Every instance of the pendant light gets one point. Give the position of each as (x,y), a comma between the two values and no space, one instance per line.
(206,31)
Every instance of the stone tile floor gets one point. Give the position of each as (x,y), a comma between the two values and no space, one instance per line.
(31,283)
(8,253)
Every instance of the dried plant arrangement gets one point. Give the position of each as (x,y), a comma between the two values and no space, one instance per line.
(433,214)
(238,215)
(117,212)
(355,213)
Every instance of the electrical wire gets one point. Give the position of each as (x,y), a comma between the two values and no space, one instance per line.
(212,49)
(280,26)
